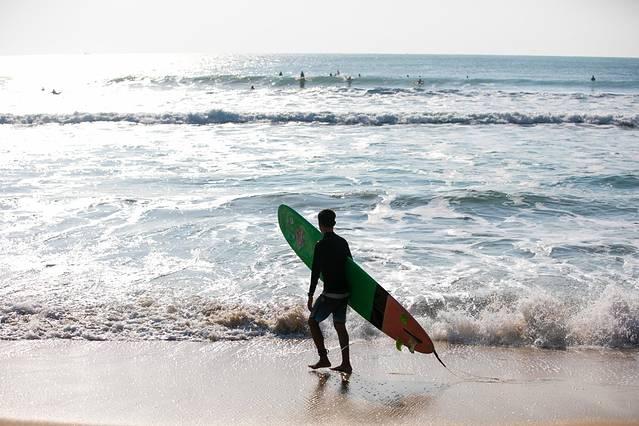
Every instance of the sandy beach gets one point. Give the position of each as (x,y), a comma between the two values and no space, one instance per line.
(188,191)
(266,381)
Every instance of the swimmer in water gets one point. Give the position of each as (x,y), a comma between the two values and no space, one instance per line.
(592,78)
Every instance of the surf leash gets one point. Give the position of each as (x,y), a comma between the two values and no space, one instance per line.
(464,375)
(439,359)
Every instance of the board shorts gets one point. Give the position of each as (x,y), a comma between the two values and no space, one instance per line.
(324,306)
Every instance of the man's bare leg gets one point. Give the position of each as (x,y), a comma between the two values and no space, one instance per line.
(342,334)
(318,338)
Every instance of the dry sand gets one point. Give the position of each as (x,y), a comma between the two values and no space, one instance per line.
(266,381)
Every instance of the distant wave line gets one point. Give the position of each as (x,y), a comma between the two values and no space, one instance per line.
(218,116)
(372,80)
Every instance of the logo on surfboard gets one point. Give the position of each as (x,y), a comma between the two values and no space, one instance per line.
(299,237)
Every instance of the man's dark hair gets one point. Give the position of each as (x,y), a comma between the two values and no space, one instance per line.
(326,218)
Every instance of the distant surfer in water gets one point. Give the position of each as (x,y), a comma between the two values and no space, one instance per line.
(593,78)
(329,260)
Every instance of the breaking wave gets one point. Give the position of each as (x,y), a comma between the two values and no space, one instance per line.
(506,319)
(195,319)
(611,320)
(217,116)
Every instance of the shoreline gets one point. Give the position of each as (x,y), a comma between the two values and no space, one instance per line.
(266,381)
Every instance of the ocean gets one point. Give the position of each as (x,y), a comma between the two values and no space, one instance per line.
(496,197)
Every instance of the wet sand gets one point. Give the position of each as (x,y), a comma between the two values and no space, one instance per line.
(266,381)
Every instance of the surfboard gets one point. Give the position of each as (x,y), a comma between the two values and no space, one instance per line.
(367,297)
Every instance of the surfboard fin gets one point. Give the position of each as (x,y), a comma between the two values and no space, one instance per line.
(398,345)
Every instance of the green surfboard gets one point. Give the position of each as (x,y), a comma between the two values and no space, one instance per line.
(367,297)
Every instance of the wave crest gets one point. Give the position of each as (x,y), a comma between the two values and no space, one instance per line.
(540,320)
(217,116)
(194,319)
(505,319)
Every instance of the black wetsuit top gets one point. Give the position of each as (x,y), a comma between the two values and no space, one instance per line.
(329,259)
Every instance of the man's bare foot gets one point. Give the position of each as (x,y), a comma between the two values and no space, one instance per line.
(343,368)
(323,362)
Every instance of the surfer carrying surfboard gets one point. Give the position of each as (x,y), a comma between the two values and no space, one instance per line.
(329,261)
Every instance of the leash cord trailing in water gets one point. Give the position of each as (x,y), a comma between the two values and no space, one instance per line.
(439,359)
(469,376)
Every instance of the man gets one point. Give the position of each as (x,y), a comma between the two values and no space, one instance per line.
(329,260)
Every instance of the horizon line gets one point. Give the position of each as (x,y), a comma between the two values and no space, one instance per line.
(203,53)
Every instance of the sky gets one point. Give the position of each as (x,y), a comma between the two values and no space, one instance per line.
(540,27)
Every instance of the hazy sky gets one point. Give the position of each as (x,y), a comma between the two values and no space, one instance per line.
(540,27)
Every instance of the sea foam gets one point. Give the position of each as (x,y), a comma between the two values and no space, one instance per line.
(217,116)
(611,320)
(542,320)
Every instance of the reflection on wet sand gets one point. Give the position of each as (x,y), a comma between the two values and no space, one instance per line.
(355,398)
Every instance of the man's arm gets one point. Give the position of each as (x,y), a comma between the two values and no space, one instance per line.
(315,271)
(315,274)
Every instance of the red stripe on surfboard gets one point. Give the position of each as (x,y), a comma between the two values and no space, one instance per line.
(410,333)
